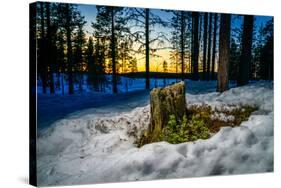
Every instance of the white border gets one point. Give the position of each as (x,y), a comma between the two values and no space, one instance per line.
(14,90)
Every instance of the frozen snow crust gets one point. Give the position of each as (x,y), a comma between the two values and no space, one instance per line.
(96,148)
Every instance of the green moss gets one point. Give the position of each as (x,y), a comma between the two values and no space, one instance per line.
(205,112)
(185,130)
(198,123)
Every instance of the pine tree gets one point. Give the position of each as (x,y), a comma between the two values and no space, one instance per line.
(132,66)
(195,45)
(214,46)
(165,69)
(246,54)
(42,51)
(209,46)
(69,48)
(147,79)
(205,44)
(125,56)
(145,19)
(109,27)
(233,60)
(69,21)
(92,68)
(50,58)
(266,58)
(79,44)
(60,59)
(224,49)
(180,39)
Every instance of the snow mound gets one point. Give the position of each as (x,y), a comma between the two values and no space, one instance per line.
(95,148)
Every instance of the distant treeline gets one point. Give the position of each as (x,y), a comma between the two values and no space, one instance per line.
(201,45)
(162,75)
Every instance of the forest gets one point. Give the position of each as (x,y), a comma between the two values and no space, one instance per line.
(127,42)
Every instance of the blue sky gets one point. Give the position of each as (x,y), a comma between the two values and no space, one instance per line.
(90,11)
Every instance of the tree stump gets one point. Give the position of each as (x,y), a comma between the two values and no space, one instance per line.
(164,102)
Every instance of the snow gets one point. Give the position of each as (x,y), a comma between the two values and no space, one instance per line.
(222,116)
(51,108)
(97,145)
(124,84)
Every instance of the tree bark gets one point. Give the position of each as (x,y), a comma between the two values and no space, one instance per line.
(69,51)
(209,47)
(224,48)
(246,56)
(214,46)
(42,58)
(163,103)
(195,48)
(205,44)
(147,79)
(50,49)
(114,76)
(182,44)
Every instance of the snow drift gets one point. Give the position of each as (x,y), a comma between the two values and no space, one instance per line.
(95,148)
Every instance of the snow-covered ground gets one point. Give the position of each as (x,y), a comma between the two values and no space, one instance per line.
(97,145)
(54,107)
(125,84)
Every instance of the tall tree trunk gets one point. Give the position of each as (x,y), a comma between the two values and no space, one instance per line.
(69,52)
(50,49)
(209,47)
(147,79)
(62,83)
(195,48)
(214,46)
(246,55)
(205,44)
(43,50)
(182,44)
(97,73)
(224,49)
(191,48)
(114,76)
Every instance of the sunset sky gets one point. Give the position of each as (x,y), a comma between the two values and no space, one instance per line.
(90,12)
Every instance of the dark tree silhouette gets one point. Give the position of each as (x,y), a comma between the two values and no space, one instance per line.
(69,49)
(147,79)
(233,60)
(209,46)
(224,43)
(165,69)
(50,47)
(179,39)
(246,53)
(214,46)
(79,44)
(42,50)
(110,29)
(182,18)
(144,18)
(113,54)
(205,44)
(120,34)
(60,59)
(92,69)
(195,45)
(101,42)
(266,57)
